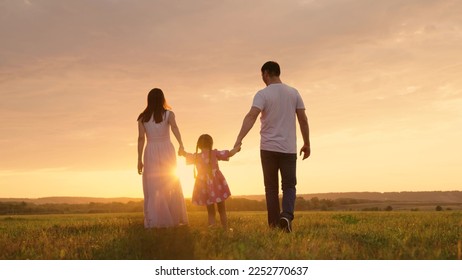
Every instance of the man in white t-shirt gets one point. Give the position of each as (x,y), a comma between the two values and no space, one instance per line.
(279,105)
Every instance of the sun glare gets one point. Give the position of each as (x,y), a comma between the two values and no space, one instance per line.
(186,175)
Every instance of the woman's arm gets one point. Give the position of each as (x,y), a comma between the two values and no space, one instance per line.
(141,141)
(176,131)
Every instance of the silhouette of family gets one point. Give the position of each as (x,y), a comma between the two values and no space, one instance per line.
(280,106)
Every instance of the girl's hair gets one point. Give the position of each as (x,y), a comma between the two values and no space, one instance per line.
(205,141)
(157,105)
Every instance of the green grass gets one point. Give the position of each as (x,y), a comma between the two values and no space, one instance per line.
(317,235)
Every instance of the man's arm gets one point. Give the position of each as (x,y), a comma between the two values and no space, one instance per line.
(247,124)
(304,128)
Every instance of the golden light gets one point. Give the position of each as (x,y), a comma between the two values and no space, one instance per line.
(186,175)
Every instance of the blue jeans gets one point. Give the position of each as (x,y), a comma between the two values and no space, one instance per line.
(273,163)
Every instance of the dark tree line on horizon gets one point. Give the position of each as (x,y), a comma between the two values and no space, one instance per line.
(232,204)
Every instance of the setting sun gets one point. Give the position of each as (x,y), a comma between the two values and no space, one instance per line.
(186,175)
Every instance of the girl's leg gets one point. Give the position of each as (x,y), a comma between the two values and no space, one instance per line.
(223,216)
(211,214)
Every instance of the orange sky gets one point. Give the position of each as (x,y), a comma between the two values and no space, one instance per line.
(381,81)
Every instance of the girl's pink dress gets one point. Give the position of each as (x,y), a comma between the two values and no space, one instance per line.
(210,187)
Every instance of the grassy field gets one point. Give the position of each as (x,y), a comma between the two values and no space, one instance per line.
(317,235)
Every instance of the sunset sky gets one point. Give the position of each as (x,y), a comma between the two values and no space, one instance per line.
(381,81)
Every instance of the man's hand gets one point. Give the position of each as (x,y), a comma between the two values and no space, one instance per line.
(235,150)
(306,150)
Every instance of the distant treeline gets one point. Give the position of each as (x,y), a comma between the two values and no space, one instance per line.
(11,208)
(232,204)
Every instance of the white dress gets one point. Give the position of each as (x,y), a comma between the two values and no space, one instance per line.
(164,204)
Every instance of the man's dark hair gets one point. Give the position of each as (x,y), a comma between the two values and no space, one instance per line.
(272,68)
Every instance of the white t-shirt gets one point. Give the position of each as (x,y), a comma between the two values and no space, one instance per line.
(278,104)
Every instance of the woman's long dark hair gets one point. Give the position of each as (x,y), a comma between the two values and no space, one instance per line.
(204,141)
(157,105)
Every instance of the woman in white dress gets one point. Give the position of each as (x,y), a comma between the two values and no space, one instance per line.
(164,204)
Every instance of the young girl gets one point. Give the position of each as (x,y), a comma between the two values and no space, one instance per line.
(210,187)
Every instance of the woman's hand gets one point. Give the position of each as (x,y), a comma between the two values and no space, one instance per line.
(140,167)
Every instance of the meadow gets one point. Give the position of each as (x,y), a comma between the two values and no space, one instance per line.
(347,235)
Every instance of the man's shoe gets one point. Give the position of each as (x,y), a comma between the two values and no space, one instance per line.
(285,224)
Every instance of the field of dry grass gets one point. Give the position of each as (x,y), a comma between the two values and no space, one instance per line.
(317,236)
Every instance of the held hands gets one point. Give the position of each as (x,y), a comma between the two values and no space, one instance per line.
(181,151)
(306,150)
(236,149)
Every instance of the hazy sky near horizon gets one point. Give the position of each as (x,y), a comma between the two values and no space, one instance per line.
(381,81)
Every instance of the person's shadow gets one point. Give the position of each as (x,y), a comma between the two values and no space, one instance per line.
(149,244)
